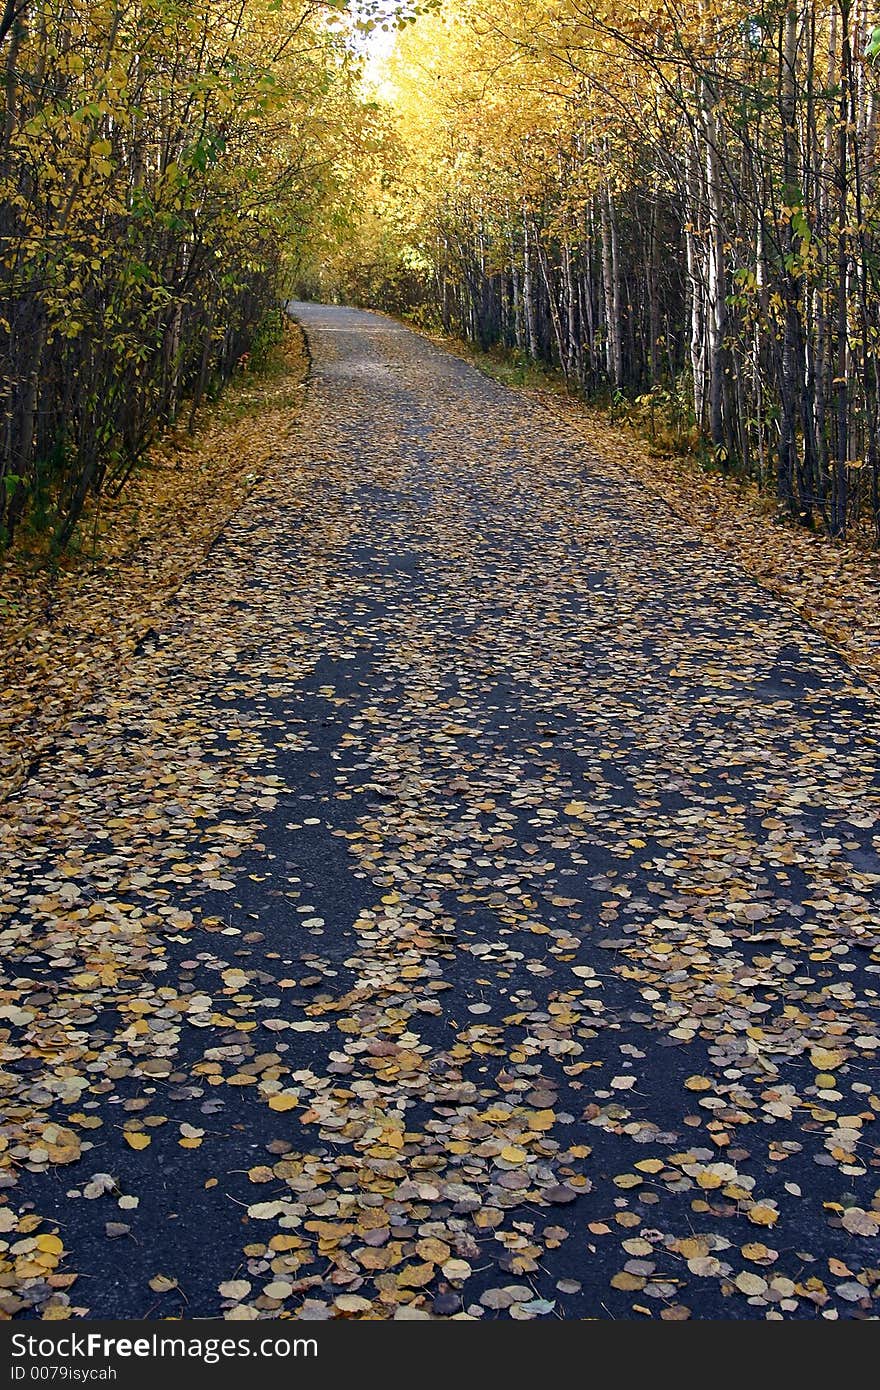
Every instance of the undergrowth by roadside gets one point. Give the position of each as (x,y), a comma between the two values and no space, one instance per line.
(64,624)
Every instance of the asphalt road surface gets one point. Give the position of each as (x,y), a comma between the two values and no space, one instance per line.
(464,904)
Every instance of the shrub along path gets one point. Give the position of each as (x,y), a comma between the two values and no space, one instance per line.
(463,903)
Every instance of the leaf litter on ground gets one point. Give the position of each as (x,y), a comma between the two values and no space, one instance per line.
(450,721)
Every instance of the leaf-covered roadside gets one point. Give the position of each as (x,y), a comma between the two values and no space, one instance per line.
(465,906)
(65,629)
(833,585)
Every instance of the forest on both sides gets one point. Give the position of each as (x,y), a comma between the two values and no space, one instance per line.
(673,204)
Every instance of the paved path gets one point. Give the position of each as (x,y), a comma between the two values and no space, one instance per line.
(463,904)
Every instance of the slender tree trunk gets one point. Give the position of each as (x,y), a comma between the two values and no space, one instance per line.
(611,284)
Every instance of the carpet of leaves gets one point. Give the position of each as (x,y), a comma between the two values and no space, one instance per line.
(834,585)
(63,626)
(462,904)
